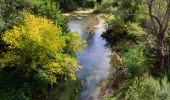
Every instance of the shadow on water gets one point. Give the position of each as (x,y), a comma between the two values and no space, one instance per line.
(94,58)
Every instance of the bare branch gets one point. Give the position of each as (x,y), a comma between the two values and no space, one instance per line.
(150,3)
(167,17)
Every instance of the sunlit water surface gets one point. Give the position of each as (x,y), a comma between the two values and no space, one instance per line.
(94,59)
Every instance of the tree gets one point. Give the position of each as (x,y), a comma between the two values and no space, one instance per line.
(36,50)
(51,10)
(128,10)
(159,12)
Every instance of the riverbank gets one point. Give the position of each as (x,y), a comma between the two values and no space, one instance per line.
(108,86)
(95,59)
(94,21)
(116,79)
(80,12)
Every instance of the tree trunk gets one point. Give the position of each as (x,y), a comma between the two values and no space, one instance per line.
(160,52)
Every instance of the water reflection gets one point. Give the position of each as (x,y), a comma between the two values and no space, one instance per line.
(94,59)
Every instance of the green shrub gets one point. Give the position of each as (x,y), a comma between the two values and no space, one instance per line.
(149,89)
(118,26)
(39,44)
(116,29)
(146,89)
(106,6)
(135,30)
(134,60)
(36,51)
(11,13)
(128,11)
(51,10)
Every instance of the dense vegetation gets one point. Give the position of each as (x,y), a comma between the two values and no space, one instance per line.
(138,31)
(38,52)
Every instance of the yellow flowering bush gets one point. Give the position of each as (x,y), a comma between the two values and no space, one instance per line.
(37,29)
(37,48)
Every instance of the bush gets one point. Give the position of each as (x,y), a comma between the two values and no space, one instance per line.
(51,10)
(11,13)
(116,29)
(37,53)
(73,44)
(106,6)
(38,45)
(128,11)
(134,60)
(135,30)
(149,89)
(146,89)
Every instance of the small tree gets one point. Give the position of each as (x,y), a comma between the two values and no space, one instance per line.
(36,51)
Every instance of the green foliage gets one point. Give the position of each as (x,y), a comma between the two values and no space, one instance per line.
(12,87)
(146,89)
(10,13)
(50,9)
(128,10)
(15,95)
(106,6)
(69,5)
(116,29)
(66,91)
(2,24)
(37,52)
(149,89)
(137,60)
(73,44)
(135,30)
(118,25)
(39,47)
(168,74)
(134,60)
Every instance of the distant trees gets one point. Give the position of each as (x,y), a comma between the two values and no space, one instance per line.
(69,5)
(99,1)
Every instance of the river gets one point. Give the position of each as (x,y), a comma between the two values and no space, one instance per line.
(95,58)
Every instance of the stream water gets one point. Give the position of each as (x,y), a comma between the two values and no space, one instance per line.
(94,59)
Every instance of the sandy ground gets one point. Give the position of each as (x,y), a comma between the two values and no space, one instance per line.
(80,12)
(94,19)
